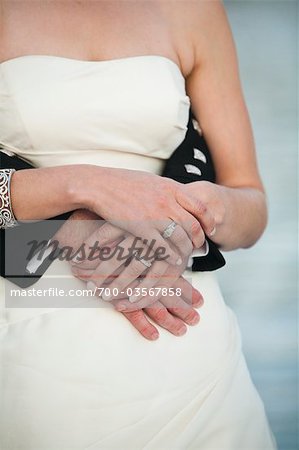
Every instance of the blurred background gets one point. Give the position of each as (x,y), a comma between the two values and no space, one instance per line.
(259,284)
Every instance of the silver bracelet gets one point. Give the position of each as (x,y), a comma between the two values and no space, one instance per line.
(7,218)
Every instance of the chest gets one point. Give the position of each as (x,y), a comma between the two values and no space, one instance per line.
(92,30)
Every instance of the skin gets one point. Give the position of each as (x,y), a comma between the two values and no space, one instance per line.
(171,313)
(196,36)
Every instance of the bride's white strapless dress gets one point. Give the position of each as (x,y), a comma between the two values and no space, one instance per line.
(82,377)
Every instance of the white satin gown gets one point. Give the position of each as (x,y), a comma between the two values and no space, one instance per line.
(81,377)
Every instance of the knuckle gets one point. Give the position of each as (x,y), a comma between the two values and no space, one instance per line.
(135,316)
(177,310)
(162,200)
(160,315)
(201,208)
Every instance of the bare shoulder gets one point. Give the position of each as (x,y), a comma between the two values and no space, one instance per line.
(211,34)
(197,26)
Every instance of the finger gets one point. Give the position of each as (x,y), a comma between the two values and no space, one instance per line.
(88,275)
(179,238)
(129,274)
(163,286)
(153,295)
(124,296)
(82,274)
(199,210)
(109,270)
(124,305)
(191,225)
(132,266)
(179,308)
(139,320)
(151,285)
(161,316)
(161,249)
(103,275)
(174,286)
(190,295)
(97,245)
(152,276)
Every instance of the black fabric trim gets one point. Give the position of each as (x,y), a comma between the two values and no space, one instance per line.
(20,235)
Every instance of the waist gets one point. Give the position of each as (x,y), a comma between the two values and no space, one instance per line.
(104,158)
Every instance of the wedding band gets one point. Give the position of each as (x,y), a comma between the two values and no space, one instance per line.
(143,261)
(169,230)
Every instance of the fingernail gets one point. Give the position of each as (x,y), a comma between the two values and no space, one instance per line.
(213,231)
(133,298)
(154,335)
(179,262)
(181,331)
(197,302)
(106,297)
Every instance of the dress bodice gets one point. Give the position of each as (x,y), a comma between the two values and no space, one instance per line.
(128,112)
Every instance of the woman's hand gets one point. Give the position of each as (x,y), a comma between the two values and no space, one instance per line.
(239,212)
(138,202)
(145,204)
(119,260)
(209,198)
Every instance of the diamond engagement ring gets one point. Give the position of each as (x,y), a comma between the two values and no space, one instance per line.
(169,230)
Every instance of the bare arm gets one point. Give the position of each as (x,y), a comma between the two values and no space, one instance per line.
(43,193)
(238,201)
(118,195)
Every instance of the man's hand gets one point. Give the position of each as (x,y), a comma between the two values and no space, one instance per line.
(171,313)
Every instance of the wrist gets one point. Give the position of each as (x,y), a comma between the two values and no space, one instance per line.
(84,186)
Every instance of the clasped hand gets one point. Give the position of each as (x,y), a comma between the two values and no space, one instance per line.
(141,288)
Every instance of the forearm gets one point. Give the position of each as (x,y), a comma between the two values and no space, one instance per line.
(38,194)
(240,212)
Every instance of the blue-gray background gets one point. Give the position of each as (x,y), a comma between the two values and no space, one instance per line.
(260,283)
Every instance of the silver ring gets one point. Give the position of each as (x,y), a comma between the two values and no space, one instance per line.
(169,230)
(143,261)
